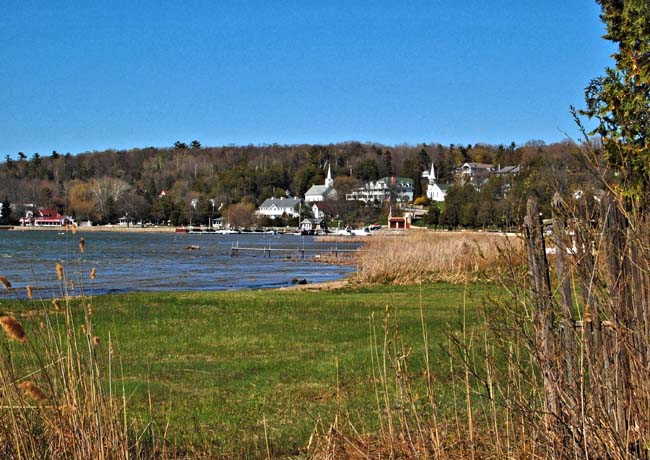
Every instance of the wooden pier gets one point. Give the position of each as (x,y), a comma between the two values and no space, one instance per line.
(267,251)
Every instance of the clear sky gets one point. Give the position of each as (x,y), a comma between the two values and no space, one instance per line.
(81,75)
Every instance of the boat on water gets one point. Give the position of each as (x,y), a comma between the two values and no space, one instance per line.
(348,231)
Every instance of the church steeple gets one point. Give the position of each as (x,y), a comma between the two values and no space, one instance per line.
(329,182)
(432,174)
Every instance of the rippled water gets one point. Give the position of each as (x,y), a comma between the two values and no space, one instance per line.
(158,261)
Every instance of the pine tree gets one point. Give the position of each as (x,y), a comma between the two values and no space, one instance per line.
(620,100)
(5,212)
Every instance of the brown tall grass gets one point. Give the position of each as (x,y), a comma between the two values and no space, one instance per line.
(414,421)
(413,257)
(556,369)
(59,400)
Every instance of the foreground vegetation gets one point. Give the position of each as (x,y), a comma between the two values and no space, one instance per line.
(418,256)
(257,373)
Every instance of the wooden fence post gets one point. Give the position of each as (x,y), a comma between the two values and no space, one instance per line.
(542,302)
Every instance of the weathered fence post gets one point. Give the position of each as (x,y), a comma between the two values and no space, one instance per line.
(542,302)
(563,245)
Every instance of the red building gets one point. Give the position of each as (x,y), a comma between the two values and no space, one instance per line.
(399,223)
(46,218)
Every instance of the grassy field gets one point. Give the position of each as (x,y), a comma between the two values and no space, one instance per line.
(229,372)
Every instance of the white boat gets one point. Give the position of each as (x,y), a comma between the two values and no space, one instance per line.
(353,232)
(361,232)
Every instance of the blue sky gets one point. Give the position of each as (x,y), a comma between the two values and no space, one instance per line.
(82,76)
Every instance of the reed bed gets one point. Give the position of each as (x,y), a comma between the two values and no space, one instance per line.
(556,369)
(424,412)
(59,396)
(414,257)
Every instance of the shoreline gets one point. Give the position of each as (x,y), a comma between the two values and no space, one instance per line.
(114,228)
(335,285)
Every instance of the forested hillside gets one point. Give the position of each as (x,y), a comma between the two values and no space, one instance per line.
(160,184)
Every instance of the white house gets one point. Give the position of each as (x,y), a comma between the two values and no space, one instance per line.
(277,207)
(323,192)
(401,188)
(476,173)
(435,191)
(309,225)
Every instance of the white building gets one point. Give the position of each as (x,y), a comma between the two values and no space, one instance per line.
(317,212)
(475,173)
(310,225)
(435,191)
(399,188)
(323,192)
(278,207)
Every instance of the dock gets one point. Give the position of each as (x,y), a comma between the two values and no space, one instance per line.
(300,252)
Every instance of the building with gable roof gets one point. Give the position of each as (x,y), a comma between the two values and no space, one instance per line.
(435,191)
(46,218)
(475,173)
(318,193)
(398,188)
(278,207)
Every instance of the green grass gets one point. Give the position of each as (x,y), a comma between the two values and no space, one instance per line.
(219,367)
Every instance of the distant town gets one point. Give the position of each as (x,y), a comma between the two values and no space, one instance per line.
(313,188)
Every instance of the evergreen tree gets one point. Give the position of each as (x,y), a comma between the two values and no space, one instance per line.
(6,212)
(620,100)
(388,163)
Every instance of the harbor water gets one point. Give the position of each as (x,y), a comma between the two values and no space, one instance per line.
(128,262)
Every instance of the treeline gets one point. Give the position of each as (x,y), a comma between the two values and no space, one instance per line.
(500,202)
(191,182)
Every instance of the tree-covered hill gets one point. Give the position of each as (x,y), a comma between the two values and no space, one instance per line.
(159,184)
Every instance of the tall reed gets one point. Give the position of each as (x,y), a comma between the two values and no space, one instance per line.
(59,399)
(432,256)
(556,369)
(425,409)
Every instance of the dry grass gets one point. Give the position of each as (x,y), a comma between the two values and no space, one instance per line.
(432,256)
(415,421)
(557,369)
(59,400)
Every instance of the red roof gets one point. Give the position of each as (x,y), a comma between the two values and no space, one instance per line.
(50,214)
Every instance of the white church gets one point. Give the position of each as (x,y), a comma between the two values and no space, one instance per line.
(318,193)
(435,191)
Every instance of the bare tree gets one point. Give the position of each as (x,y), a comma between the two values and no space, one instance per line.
(106,190)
